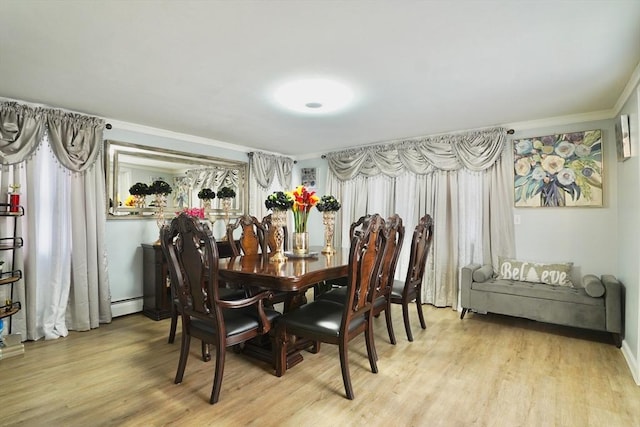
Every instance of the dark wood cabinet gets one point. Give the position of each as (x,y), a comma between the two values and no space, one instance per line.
(156,288)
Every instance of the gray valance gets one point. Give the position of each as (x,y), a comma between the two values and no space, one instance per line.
(21,130)
(265,166)
(75,139)
(475,151)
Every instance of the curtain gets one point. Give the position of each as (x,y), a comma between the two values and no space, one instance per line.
(268,173)
(63,191)
(461,180)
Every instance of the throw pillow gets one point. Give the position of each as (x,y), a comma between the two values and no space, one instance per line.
(593,286)
(550,274)
(483,274)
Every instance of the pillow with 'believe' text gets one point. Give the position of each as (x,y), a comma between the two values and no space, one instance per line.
(525,271)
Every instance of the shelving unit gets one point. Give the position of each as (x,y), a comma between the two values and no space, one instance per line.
(11,344)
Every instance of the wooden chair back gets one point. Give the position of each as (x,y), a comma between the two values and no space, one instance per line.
(420,244)
(252,236)
(394,236)
(365,256)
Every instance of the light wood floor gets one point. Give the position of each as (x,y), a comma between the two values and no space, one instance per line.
(482,371)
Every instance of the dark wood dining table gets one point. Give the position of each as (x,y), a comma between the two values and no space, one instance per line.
(294,276)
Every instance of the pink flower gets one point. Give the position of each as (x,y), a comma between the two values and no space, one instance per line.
(194,212)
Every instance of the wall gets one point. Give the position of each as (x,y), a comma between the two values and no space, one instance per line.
(628,226)
(314,223)
(124,237)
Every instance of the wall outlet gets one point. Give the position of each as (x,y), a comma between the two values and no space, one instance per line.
(516,219)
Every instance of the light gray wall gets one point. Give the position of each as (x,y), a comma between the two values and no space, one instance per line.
(628,227)
(583,236)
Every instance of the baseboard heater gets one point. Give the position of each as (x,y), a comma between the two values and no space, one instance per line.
(126,306)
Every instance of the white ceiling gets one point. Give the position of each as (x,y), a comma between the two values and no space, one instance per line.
(208,68)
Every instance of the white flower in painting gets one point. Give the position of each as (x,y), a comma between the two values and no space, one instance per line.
(582,150)
(565,149)
(566,176)
(553,164)
(522,166)
(538,173)
(524,146)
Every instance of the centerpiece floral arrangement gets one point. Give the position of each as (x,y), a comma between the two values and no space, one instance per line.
(130,201)
(160,187)
(279,200)
(328,203)
(194,212)
(304,200)
(139,189)
(206,194)
(226,193)
(557,165)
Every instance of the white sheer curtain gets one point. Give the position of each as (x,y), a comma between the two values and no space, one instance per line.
(461,181)
(48,269)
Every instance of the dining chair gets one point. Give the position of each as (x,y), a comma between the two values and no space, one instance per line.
(381,292)
(226,293)
(337,284)
(252,236)
(404,292)
(192,257)
(329,322)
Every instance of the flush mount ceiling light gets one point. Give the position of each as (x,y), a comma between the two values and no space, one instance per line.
(314,96)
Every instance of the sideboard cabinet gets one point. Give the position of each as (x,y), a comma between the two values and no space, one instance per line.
(156,287)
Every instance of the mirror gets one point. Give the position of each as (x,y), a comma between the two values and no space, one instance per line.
(127,164)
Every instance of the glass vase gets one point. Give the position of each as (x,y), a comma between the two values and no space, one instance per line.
(301,243)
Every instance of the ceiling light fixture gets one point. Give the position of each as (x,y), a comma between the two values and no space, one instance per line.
(314,96)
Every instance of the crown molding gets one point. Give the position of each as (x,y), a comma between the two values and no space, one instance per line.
(562,120)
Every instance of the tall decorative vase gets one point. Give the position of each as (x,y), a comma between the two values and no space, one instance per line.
(161,202)
(329,221)
(279,219)
(206,204)
(301,243)
(226,208)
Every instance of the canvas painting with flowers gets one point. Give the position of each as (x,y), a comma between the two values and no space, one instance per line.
(559,170)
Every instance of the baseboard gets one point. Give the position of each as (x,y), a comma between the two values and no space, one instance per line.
(129,306)
(631,361)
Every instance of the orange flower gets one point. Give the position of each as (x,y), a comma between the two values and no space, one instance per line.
(304,200)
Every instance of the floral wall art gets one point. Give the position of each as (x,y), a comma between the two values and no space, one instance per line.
(559,170)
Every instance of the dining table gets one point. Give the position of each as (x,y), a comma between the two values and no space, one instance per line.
(294,276)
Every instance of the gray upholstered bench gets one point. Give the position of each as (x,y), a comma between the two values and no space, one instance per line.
(597,304)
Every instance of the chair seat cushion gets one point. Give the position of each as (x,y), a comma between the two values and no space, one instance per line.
(338,295)
(321,317)
(398,288)
(236,321)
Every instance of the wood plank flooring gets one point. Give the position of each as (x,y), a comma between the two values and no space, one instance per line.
(485,370)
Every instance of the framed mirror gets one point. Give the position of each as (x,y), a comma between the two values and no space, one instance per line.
(129,165)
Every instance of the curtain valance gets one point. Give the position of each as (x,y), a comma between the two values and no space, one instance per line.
(475,151)
(75,139)
(265,166)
